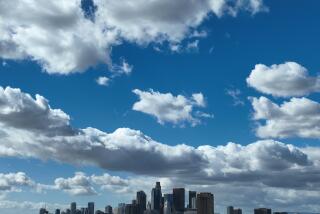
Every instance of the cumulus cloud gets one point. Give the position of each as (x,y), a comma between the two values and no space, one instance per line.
(14,181)
(283,80)
(55,34)
(299,117)
(77,185)
(168,108)
(21,111)
(65,38)
(103,81)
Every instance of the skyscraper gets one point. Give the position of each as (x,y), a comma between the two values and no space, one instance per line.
(178,199)
(205,203)
(192,199)
(57,211)
(108,209)
(84,210)
(121,208)
(43,211)
(142,201)
(237,211)
(91,208)
(156,197)
(73,208)
(167,203)
(262,211)
(230,210)
(131,208)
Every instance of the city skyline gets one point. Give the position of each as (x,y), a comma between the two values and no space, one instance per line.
(168,203)
(100,99)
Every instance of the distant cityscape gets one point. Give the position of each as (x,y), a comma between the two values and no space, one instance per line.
(170,203)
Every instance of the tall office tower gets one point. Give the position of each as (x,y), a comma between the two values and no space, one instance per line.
(135,207)
(83,210)
(131,209)
(237,211)
(156,197)
(108,209)
(43,211)
(121,208)
(178,199)
(68,211)
(167,203)
(230,210)
(161,205)
(194,203)
(57,211)
(205,203)
(262,211)
(142,201)
(192,199)
(73,207)
(91,208)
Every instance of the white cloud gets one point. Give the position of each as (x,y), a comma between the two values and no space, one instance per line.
(165,20)
(80,184)
(14,181)
(299,117)
(54,34)
(18,109)
(62,38)
(168,108)
(283,80)
(103,81)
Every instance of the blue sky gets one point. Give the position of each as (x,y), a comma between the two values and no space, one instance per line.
(222,61)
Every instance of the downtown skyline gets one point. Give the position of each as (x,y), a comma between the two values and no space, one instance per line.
(101,99)
(174,202)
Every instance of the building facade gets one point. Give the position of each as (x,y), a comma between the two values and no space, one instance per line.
(178,199)
(262,211)
(205,203)
(192,199)
(156,196)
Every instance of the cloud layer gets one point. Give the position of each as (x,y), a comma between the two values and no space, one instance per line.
(167,108)
(299,117)
(283,80)
(263,174)
(65,38)
(128,150)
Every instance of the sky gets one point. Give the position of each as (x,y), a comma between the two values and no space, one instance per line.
(100,99)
